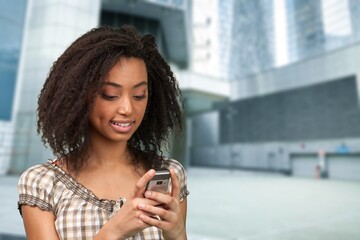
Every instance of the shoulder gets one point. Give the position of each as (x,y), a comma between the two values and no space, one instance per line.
(176,165)
(36,186)
(178,168)
(180,173)
(38,175)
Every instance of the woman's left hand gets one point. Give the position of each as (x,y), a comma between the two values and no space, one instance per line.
(172,220)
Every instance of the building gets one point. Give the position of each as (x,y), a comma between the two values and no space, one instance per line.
(222,31)
(252,38)
(12,16)
(212,29)
(306,32)
(292,119)
(314,28)
(41,31)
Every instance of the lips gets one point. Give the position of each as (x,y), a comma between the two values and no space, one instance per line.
(123,126)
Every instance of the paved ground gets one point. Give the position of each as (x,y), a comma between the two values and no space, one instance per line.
(238,205)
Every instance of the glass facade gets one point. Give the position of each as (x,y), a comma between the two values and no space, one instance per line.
(313,27)
(225,30)
(232,38)
(143,24)
(319,26)
(354,7)
(252,45)
(12,14)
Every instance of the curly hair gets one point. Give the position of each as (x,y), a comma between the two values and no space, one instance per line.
(63,105)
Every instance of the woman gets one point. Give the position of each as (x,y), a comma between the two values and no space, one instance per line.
(108,105)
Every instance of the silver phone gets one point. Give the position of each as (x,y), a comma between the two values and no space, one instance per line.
(160,182)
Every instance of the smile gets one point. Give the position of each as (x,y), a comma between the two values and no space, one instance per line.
(122,124)
(122,127)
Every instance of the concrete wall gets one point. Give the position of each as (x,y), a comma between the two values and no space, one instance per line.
(333,65)
(297,158)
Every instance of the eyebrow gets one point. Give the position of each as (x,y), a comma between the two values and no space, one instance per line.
(144,83)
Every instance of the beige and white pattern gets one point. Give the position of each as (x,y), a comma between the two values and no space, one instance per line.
(79,213)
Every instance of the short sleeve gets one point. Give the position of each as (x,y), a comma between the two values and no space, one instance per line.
(181,174)
(35,188)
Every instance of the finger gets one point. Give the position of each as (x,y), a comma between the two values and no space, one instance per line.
(175,189)
(157,196)
(141,183)
(166,200)
(149,202)
(155,210)
(153,221)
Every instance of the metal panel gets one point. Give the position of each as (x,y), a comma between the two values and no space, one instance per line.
(345,167)
(224,153)
(205,128)
(236,155)
(304,165)
(204,156)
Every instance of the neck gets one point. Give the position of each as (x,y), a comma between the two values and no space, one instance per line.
(109,154)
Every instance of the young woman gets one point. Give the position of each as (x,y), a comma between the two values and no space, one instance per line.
(106,108)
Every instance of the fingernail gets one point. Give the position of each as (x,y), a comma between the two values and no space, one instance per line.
(141,216)
(147,194)
(151,172)
(141,205)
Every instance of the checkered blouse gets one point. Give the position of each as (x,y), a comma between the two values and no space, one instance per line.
(79,213)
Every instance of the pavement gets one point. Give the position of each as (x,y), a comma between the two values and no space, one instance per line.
(241,205)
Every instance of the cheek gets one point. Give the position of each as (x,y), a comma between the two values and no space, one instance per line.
(141,109)
(144,107)
(98,112)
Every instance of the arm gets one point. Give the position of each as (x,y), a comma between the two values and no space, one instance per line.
(36,191)
(39,224)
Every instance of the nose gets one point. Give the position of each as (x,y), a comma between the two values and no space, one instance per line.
(125,106)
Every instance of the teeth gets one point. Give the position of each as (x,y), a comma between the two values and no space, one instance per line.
(122,124)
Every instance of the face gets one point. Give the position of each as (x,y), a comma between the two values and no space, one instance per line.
(120,106)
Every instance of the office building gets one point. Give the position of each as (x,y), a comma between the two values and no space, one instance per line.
(50,27)
(232,38)
(252,39)
(299,117)
(316,27)
(12,16)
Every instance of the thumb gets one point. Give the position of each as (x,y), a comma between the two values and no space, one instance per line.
(141,183)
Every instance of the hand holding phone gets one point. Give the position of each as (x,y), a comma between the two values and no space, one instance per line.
(160,182)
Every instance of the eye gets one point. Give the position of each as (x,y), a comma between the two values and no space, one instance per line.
(108,97)
(140,97)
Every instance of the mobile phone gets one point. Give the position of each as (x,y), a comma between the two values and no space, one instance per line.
(160,182)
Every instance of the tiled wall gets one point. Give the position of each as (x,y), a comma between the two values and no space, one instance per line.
(322,111)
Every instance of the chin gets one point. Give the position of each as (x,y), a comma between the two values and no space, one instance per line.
(120,139)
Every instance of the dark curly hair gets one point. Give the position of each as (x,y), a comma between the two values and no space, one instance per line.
(63,105)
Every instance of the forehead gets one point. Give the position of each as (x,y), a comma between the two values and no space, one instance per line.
(128,70)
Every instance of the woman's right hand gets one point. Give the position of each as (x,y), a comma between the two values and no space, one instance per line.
(126,222)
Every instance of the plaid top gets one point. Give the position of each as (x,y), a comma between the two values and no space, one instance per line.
(79,213)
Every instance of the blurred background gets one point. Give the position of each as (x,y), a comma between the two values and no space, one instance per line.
(271,91)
